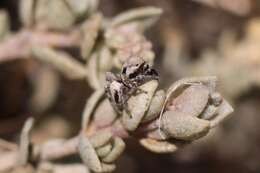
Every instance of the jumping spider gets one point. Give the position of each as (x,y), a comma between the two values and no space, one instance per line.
(134,73)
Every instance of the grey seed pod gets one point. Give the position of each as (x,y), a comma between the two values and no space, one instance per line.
(155,106)
(88,154)
(158,146)
(192,100)
(179,125)
(104,150)
(138,105)
(100,138)
(108,167)
(118,148)
(208,81)
(104,114)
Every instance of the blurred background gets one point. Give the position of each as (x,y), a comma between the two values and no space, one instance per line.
(192,38)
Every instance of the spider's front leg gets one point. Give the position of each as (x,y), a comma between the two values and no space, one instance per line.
(125,105)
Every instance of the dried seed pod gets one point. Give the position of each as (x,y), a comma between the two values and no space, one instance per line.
(202,89)
(108,167)
(155,106)
(25,142)
(61,61)
(180,125)
(118,148)
(158,146)
(191,108)
(104,150)
(208,81)
(100,138)
(214,100)
(176,90)
(99,151)
(192,100)
(88,154)
(104,114)
(138,105)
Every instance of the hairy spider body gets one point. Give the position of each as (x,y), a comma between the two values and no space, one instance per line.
(136,71)
(119,88)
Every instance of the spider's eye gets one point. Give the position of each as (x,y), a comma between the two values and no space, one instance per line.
(124,70)
(146,68)
(116,96)
(142,66)
(152,72)
(133,75)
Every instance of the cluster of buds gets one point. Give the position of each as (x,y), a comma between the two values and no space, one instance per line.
(162,121)
(191,108)
(100,150)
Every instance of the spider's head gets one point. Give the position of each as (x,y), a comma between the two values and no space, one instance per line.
(133,67)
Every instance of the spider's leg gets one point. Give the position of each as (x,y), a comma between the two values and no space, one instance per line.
(134,89)
(140,91)
(128,111)
(125,105)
